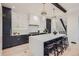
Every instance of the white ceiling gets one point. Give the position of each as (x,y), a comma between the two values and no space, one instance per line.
(71,7)
(37,7)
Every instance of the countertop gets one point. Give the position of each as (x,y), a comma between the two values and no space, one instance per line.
(46,37)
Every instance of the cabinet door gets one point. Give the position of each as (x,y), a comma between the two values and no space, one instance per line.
(18,40)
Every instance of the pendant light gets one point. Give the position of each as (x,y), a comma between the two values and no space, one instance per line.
(43,12)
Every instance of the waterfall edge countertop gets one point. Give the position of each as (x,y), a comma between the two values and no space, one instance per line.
(36,43)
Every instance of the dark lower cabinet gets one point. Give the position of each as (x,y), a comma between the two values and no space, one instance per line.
(15,41)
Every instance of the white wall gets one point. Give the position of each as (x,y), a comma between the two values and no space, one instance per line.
(0,29)
(73,26)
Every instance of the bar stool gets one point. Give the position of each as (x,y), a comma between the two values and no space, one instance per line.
(65,43)
(48,49)
(60,47)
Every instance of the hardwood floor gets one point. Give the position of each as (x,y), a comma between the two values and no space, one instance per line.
(72,50)
(23,50)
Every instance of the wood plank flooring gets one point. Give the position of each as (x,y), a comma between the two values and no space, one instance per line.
(23,50)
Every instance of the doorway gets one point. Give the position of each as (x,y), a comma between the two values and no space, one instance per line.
(48,25)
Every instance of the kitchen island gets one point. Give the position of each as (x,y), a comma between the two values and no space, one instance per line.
(36,43)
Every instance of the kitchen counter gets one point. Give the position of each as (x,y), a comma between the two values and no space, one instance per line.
(36,43)
(46,37)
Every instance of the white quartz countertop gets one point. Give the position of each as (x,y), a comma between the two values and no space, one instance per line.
(46,37)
